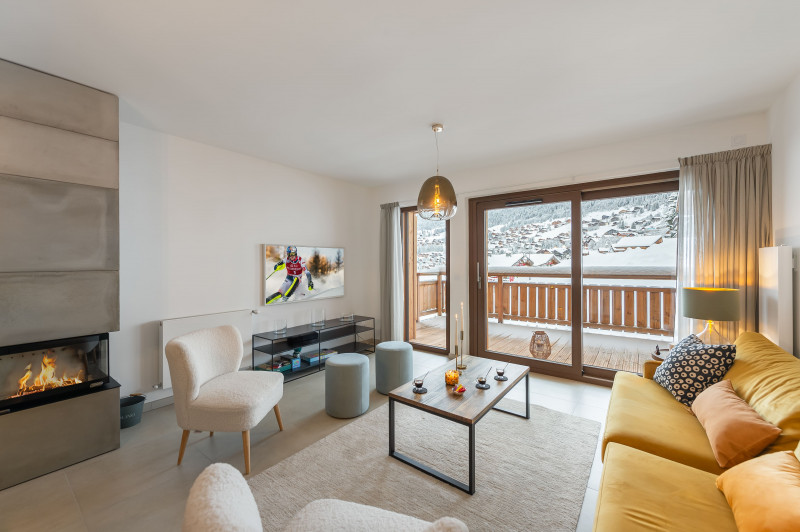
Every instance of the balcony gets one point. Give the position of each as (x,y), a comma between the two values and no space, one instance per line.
(625,315)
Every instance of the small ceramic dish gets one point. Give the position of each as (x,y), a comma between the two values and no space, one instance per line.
(459,389)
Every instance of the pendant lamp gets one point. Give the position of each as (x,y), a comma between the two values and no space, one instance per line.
(437,199)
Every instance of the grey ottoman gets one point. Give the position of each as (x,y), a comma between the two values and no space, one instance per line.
(394,365)
(346,385)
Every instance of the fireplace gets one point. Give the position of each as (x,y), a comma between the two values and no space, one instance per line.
(55,391)
(43,372)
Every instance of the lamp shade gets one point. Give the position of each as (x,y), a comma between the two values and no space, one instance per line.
(715,304)
(437,199)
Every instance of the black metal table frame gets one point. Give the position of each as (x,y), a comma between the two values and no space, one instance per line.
(469,488)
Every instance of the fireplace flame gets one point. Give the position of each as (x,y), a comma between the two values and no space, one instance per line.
(46,380)
(23,382)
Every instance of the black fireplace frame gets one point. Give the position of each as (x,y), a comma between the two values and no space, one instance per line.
(56,394)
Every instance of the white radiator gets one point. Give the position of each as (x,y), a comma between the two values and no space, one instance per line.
(172,328)
(775,313)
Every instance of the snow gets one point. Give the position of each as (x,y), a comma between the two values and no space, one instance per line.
(637,241)
(657,260)
(538,259)
(331,285)
(664,255)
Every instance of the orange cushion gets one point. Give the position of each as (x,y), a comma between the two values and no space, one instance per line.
(764,493)
(736,431)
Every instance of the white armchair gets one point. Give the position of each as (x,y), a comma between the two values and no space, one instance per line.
(221,500)
(211,394)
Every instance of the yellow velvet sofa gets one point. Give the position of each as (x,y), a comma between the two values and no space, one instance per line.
(659,471)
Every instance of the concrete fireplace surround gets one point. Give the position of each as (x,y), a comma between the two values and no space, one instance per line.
(59,258)
(43,439)
(59,207)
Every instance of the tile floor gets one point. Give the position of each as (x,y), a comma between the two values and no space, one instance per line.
(139,487)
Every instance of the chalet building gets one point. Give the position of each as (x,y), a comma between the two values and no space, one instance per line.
(637,242)
(522,259)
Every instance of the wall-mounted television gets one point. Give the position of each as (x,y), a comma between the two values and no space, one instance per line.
(302,273)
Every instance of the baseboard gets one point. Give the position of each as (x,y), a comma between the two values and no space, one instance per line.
(158,403)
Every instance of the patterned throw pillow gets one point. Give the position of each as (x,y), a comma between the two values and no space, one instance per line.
(692,339)
(692,366)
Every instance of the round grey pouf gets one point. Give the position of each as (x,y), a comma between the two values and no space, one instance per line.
(346,385)
(394,365)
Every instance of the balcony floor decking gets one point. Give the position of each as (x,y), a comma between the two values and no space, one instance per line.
(613,351)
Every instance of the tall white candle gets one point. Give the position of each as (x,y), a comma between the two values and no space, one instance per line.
(462,317)
(455,335)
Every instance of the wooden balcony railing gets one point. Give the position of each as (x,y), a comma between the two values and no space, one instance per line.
(636,309)
(431,294)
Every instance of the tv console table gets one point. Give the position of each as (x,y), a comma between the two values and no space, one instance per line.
(272,351)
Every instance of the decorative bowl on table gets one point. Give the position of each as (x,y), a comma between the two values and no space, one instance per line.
(459,389)
(451,377)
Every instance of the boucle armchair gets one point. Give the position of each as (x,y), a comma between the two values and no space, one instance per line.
(220,500)
(210,392)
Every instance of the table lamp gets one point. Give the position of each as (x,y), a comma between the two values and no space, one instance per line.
(711,304)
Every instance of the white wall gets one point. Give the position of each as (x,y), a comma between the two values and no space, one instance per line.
(784,122)
(192,221)
(638,156)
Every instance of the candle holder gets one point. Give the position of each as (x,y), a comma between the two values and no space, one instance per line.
(418,388)
(460,365)
(451,377)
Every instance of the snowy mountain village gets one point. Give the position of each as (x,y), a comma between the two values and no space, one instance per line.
(538,235)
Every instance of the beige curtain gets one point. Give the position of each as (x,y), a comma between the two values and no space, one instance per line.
(725,206)
(391,264)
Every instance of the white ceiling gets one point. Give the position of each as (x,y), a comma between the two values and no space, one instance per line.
(349,88)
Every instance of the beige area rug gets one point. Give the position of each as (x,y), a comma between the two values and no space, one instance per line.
(530,474)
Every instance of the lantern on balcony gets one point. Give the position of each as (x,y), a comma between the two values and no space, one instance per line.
(540,345)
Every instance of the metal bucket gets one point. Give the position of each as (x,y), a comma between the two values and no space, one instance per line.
(130,410)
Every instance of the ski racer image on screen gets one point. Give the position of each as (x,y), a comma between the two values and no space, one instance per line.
(295,267)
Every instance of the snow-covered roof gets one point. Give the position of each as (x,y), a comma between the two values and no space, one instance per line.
(637,241)
(503,261)
(664,254)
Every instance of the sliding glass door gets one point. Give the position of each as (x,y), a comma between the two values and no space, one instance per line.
(425,269)
(526,281)
(577,282)
(629,275)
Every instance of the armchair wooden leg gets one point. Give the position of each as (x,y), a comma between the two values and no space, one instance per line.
(246,446)
(212,433)
(184,439)
(278,415)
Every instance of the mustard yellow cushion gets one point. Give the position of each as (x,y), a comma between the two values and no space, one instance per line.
(764,493)
(735,431)
(640,491)
(643,415)
(768,378)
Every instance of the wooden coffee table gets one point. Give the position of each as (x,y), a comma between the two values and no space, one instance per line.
(467,409)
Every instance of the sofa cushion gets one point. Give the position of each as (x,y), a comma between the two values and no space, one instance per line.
(768,378)
(640,491)
(736,431)
(644,415)
(764,493)
(690,368)
(235,401)
(690,340)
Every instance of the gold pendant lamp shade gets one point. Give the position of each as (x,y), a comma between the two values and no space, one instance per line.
(437,199)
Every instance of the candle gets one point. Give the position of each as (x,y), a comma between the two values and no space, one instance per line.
(455,336)
(462,318)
